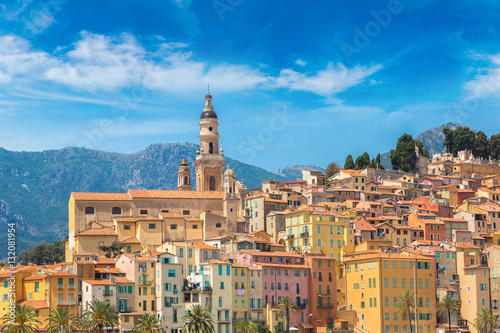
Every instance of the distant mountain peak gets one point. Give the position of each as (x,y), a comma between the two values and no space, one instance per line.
(294,171)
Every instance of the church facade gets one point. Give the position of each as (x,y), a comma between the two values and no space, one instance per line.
(149,218)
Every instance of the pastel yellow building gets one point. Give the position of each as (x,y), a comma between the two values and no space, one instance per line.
(313,229)
(375,280)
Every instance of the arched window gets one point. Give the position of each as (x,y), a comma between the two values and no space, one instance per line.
(212,183)
(186,180)
(89,210)
(116,211)
(210,148)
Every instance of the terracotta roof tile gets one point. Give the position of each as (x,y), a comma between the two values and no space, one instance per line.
(34,277)
(159,194)
(36,304)
(80,196)
(97,232)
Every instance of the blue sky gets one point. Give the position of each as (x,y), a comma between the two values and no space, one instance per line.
(292,82)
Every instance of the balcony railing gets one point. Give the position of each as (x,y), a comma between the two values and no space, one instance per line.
(304,234)
(107,292)
(123,309)
(59,302)
(71,286)
(60,286)
(145,282)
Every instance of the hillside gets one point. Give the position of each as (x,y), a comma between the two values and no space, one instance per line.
(294,172)
(35,186)
(432,139)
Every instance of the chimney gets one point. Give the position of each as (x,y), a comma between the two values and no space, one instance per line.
(112,279)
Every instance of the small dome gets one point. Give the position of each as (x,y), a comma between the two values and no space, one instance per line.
(184,162)
(229,172)
(208,114)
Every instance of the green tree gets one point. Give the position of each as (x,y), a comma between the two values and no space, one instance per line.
(407,305)
(246,326)
(61,316)
(199,320)
(482,147)
(494,146)
(113,250)
(362,162)
(463,139)
(349,163)
(25,320)
(448,139)
(285,307)
(378,162)
(146,323)
(404,157)
(486,321)
(332,169)
(43,253)
(99,315)
(448,304)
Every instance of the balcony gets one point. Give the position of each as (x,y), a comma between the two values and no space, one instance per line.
(288,236)
(123,309)
(145,282)
(302,306)
(304,234)
(176,291)
(71,286)
(191,289)
(107,292)
(60,286)
(62,302)
(207,289)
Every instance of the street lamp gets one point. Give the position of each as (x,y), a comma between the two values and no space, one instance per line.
(303,328)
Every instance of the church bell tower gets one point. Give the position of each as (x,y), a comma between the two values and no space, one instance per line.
(209,159)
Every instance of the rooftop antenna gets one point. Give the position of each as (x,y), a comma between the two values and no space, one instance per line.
(208,86)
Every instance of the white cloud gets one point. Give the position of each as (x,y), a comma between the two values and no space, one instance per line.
(301,62)
(103,63)
(334,79)
(487,83)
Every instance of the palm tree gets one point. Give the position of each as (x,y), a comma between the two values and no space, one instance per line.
(448,304)
(100,314)
(285,306)
(147,323)
(246,326)
(265,330)
(199,320)
(486,320)
(407,305)
(61,317)
(24,321)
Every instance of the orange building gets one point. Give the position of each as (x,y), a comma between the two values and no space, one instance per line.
(433,229)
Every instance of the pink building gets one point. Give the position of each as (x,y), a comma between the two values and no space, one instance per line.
(283,274)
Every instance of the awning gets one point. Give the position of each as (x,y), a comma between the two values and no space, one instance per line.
(305,325)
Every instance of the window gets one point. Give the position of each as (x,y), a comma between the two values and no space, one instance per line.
(89,210)
(195,226)
(394,283)
(126,227)
(186,212)
(386,283)
(173,226)
(394,264)
(116,210)
(152,226)
(144,212)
